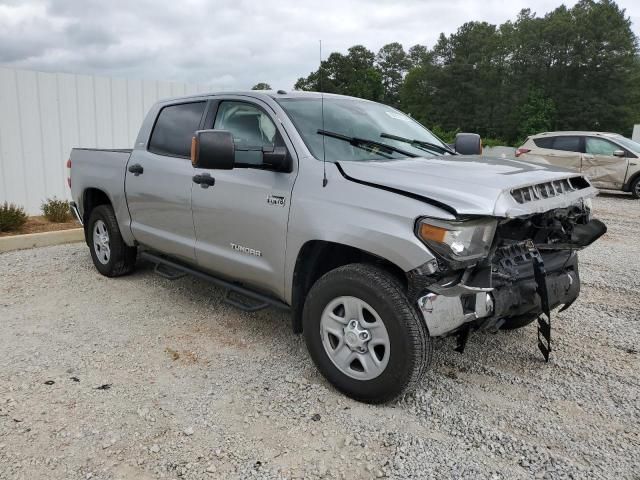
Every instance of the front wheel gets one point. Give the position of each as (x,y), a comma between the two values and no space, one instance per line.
(364,335)
(111,256)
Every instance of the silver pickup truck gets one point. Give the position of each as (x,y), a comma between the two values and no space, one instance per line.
(371,231)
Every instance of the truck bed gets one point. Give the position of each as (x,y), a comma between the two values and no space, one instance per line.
(103,170)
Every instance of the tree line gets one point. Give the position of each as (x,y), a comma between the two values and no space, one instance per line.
(572,69)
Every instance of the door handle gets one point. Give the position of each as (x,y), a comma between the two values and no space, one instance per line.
(136,169)
(204,180)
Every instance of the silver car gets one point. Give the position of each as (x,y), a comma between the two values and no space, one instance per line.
(609,160)
(372,232)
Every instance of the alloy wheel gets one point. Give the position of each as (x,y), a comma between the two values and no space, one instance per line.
(101,245)
(355,338)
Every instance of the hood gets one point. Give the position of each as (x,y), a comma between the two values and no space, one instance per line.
(473,184)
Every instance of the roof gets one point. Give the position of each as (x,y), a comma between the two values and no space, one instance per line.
(575,132)
(275,94)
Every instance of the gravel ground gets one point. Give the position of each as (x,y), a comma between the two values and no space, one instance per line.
(143,378)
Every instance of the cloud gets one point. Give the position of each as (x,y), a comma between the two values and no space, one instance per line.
(228,44)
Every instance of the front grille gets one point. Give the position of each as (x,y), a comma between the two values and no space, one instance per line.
(516,254)
(551,189)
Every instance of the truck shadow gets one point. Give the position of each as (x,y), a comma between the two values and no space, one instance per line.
(270,331)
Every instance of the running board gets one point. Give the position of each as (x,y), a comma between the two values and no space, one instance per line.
(256,301)
(168,272)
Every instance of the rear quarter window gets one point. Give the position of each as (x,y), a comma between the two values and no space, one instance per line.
(174,129)
(545,142)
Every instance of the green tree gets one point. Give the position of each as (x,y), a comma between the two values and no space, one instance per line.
(461,83)
(261,86)
(536,115)
(353,74)
(418,56)
(573,68)
(392,63)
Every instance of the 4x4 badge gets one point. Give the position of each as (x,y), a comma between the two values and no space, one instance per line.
(276,200)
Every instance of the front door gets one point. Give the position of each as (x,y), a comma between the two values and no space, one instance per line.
(158,183)
(601,166)
(241,220)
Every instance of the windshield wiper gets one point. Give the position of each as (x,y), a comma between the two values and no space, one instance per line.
(367,144)
(421,144)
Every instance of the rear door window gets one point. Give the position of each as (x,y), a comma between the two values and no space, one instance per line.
(567,144)
(174,129)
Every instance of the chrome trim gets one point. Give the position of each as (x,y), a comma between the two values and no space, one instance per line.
(455,288)
(76,212)
(443,314)
(540,191)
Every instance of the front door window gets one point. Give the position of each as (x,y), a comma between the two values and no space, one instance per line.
(251,128)
(600,146)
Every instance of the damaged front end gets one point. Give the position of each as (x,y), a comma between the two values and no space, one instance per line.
(528,267)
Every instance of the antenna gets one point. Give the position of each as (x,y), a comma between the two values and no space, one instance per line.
(324,152)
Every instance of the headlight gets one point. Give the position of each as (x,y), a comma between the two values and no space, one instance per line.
(458,241)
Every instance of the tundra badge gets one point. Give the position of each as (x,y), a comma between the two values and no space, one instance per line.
(250,251)
(276,200)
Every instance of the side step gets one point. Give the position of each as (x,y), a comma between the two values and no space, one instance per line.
(167,272)
(238,296)
(238,300)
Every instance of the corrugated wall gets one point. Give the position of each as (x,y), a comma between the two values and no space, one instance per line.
(44,115)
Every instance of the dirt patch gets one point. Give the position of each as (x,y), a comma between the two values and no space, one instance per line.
(40,224)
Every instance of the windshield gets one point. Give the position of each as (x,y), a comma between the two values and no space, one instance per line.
(627,143)
(361,120)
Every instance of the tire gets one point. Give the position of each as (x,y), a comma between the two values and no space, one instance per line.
(111,256)
(635,188)
(382,308)
(520,321)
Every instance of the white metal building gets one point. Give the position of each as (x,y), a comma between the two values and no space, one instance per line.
(44,115)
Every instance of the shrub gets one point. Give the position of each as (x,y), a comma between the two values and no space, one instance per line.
(12,217)
(57,211)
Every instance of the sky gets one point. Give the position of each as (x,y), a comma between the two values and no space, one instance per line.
(229,44)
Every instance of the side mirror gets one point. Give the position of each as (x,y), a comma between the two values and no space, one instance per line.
(468,144)
(213,149)
(619,153)
(277,158)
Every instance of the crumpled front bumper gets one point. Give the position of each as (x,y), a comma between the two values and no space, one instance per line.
(457,306)
(445,314)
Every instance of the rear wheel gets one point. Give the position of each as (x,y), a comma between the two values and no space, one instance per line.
(364,335)
(635,188)
(111,256)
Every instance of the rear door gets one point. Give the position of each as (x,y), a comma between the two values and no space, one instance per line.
(241,221)
(601,166)
(566,151)
(159,180)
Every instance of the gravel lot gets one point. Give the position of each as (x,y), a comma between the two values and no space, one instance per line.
(193,388)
